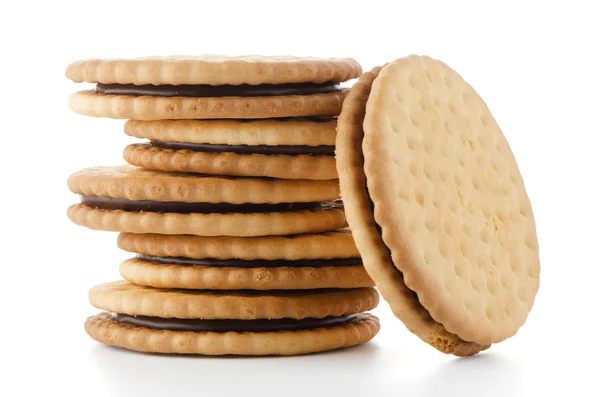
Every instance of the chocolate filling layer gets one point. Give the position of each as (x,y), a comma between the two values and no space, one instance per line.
(247,149)
(105,203)
(262,325)
(205,90)
(250,263)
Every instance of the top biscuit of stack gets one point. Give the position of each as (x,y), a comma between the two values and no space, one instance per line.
(211,87)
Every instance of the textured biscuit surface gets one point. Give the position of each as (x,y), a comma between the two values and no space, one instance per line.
(331,245)
(160,275)
(214,70)
(450,200)
(126,298)
(104,329)
(231,224)
(236,132)
(132,183)
(375,255)
(90,103)
(227,163)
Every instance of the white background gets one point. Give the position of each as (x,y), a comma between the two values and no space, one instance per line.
(536,65)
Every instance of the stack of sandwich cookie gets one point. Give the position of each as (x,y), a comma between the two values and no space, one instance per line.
(232,208)
(303,261)
(289,148)
(243,116)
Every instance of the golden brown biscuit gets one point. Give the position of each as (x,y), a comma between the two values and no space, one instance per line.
(376,257)
(291,131)
(104,329)
(126,298)
(228,224)
(309,167)
(214,70)
(329,245)
(185,273)
(132,183)
(90,103)
(450,200)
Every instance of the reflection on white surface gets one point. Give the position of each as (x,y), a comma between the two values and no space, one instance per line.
(131,373)
(489,374)
(362,370)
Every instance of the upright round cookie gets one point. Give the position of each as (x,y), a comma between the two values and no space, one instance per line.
(293,148)
(211,87)
(128,199)
(241,323)
(307,261)
(449,201)
(375,255)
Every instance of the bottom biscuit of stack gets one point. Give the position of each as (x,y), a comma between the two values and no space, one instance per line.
(271,295)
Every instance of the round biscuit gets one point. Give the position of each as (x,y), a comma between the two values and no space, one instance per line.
(104,329)
(230,224)
(328,245)
(160,275)
(376,256)
(126,298)
(91,103)
(268,132)
(213,70)
(279,166)
(132,183)
(450,200)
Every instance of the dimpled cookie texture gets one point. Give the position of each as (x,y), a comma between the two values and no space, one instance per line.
(450,200)
(376,256)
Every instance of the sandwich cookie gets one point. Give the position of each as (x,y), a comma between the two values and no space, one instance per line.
(240,323)
(308,261)
(376,257)
(293,148)
(211,87)
(129,199)
(437,205)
